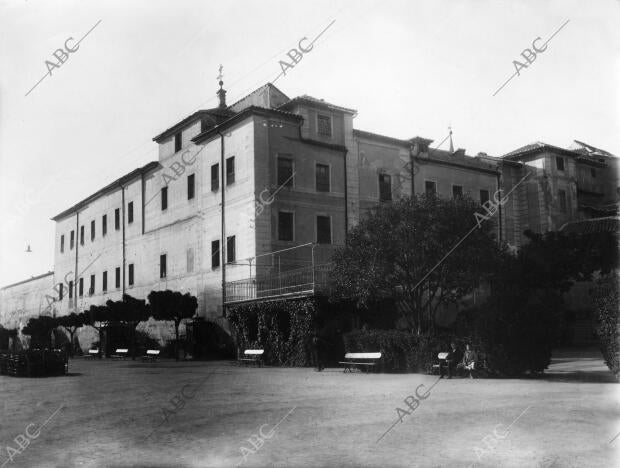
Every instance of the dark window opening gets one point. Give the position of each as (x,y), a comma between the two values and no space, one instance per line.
(230,249)
(285,226)
(130,212)
(91,290)
(230,170)
(81,235)
(104,225)
(92,230)
(117,219)
(385,187)
(117,277)
(430,187)
(559,163)
(324,125)
(285,172)
(323,230)
(70,289)
(190,186)
(62,243)
(61,291)
(215,177)
(164,198)
(81,287)
(104,281)
(131,274)
(457,191)
(484,196)
(215,254)
(162,266)
(178,142)
(72,240)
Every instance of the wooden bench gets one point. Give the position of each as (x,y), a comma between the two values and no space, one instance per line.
(151,355)
(120,353)
(252,355)
(92,353)
(440,357)
(360,360)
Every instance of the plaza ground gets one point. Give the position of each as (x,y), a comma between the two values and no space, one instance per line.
(111,413)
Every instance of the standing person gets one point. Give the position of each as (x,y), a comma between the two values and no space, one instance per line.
(454,356)
(316,352)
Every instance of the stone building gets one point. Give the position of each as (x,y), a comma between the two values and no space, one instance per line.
(248,201)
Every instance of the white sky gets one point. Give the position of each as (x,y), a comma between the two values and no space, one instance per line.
(410,68)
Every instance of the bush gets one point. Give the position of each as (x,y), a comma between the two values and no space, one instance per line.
(282,328)
(607,330)
(211,341)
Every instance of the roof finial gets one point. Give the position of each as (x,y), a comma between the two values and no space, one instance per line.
(221,92)
(451,145)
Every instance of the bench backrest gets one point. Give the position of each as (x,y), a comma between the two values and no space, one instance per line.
(122,350)
(442,355)
(152,352)
(254,351)
(362,356)
(93,351)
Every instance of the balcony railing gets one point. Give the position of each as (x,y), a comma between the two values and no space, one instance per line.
(305,281)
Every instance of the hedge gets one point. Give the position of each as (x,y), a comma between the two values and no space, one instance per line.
(606,299)
(282,328)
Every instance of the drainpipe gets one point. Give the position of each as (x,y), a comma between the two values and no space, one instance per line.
(143,191)
(77,243)
(499,212)
(123,231)
(223,233)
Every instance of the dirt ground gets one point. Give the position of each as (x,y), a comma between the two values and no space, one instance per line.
(202,414)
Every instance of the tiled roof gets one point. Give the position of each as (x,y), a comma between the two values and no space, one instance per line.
(593,226)
(321,102)
(537,147)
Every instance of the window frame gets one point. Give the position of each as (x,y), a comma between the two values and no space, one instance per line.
(229,250)
(434,182)
(331,124)
(130,212)
(559,159)
(91,289)
(72,239)
(82,234)
(230,175)
(216,255)
(379,178)
(104,225)
(178,141)
(117,277)
(316,229)
(81,287)
(288,212)
(215,183)
(117,219)
(163,266)
(291,178)
(191,186)
(461,195)
(104,281)
(130,275)
(329,177)
(164,198)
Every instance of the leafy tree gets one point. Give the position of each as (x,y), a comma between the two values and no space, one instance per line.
(607,300)
(172,305)
(131,312)
(406,250)
(97,317)
(39,329)
(71,323)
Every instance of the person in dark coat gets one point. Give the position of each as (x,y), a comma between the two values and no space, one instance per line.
(317,354)
(453,358)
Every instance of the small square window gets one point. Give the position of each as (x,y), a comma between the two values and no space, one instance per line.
(457,191)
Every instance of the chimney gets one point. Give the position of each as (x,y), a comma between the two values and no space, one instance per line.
(459,152)
(221,93)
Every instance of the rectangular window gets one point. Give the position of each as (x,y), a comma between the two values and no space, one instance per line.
(91,290)
(457,191)
(323,230)
(484,196)
(61,291)
(230,249)
(593,173)
(81,287)
(104,225)
(215,254)
(230,170)
(562,200)
(131,274)
(164,198)
(285,172)
(178,142)
(162,266)
(285,226)
(215,177)
(92,230)
(72,240)
(559,163)
(70,289)
(81,235)
(190,260)
(104,281)
(190,186)
(130,212)
(324,125)
(385,187)
(62,243)
(430,188)
(117,219)
(117,277)
(322,178)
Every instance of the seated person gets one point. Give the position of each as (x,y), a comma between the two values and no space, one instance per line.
(449,363)
(469,360)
